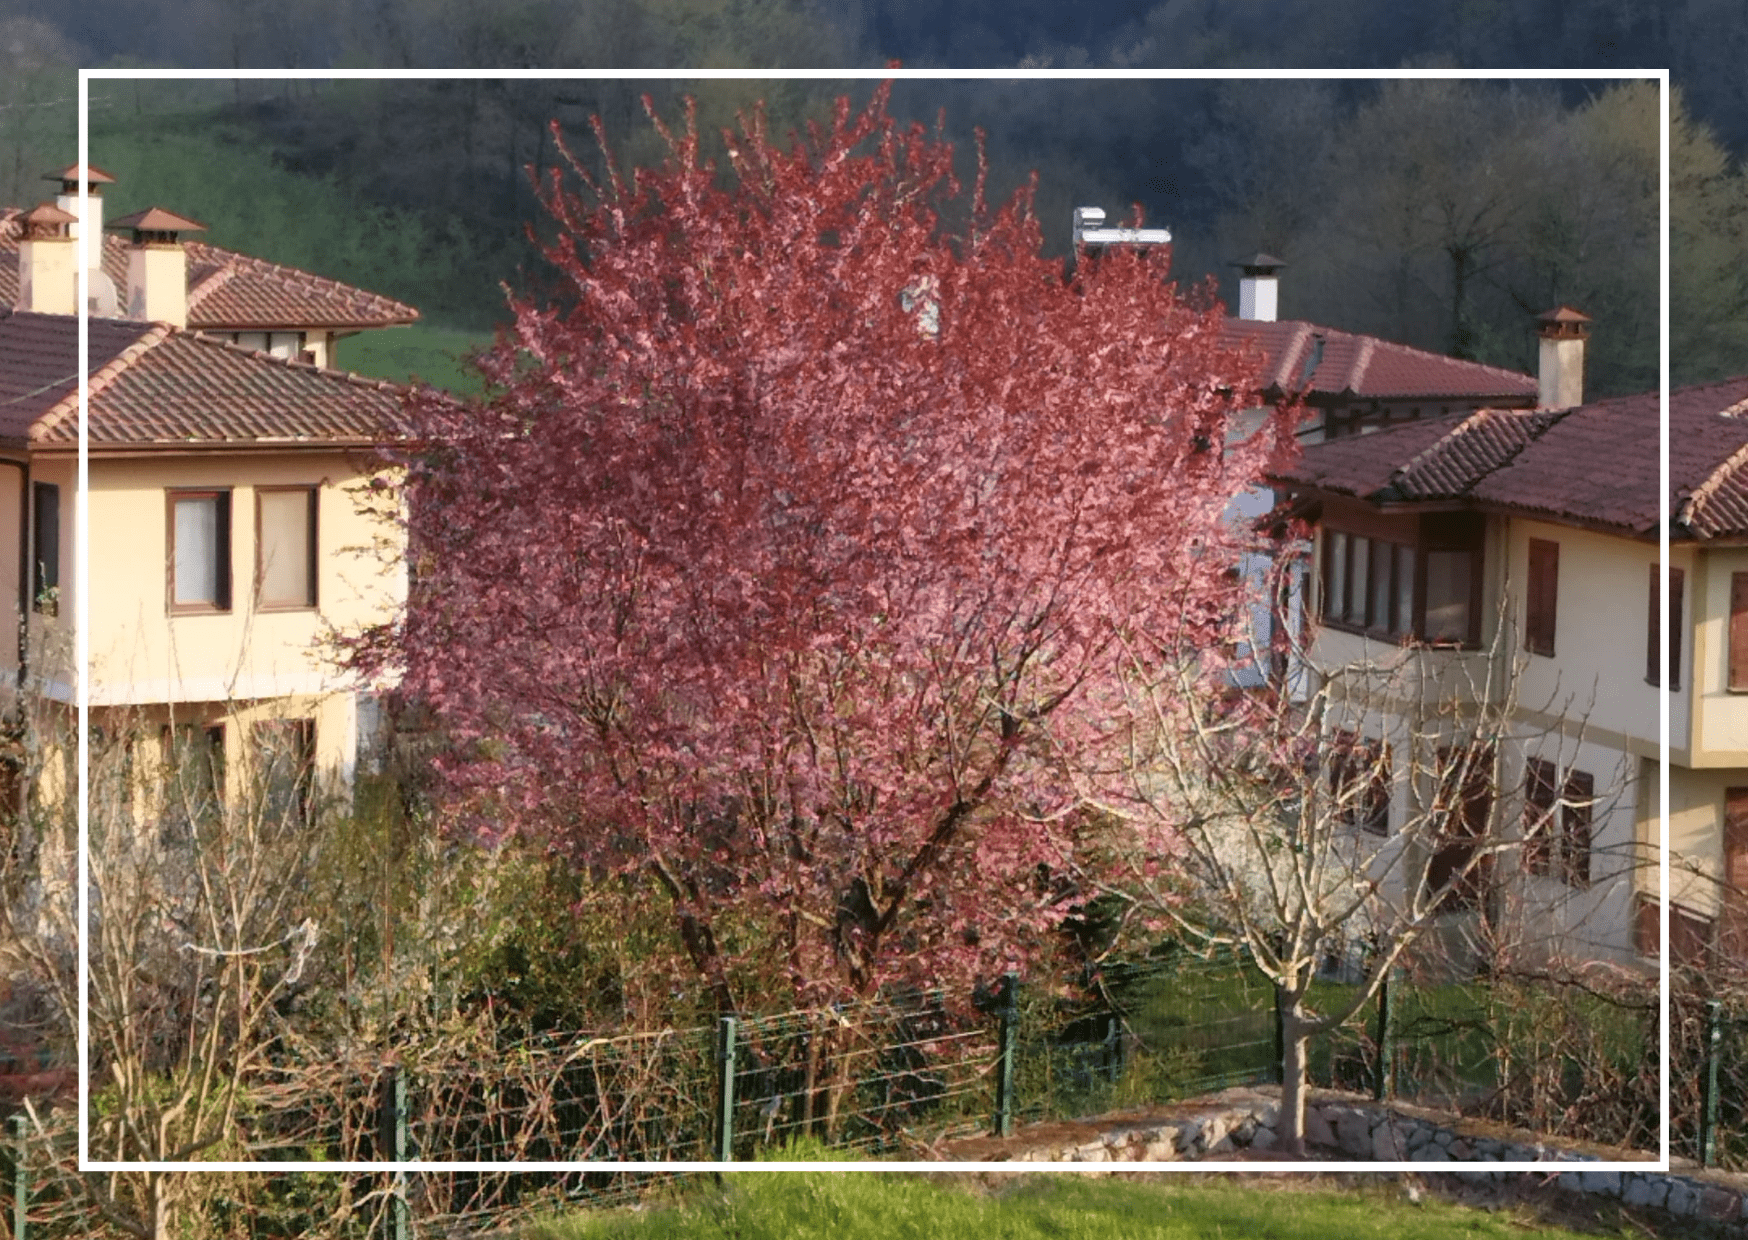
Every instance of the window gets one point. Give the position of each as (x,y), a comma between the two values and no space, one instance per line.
(1368,584)
(1359,783)
(1422,581)
(1654,642)
(45,555)
(1556,823)
(1690,931)
(1465,803)
(1738,639)
(200,551)
(285,757)
(1541,596)
(195,783)
(285,543)
(278,344)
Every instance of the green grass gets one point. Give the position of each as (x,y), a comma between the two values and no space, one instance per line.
(421,351)
(865,1206)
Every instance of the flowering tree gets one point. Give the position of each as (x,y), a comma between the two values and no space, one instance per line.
(789,559)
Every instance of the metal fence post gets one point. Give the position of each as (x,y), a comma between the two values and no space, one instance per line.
(1114,1047)
(1009,1039)
(725,1089)
(20,1176)
(392,1138)
(1384,1071)
(1708,1085)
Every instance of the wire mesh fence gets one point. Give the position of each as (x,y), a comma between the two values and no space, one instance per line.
(1708,1071)
(895,1075)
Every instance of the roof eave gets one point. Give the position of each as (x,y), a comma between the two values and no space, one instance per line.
(185,447)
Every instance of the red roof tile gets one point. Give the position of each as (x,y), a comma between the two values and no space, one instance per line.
(1320,361)
(157,219)
(228,291)
(1594,465)
(155,386)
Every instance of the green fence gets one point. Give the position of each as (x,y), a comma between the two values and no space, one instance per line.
(888,1077)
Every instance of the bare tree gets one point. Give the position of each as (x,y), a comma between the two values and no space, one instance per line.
(1376,810)
(199,926)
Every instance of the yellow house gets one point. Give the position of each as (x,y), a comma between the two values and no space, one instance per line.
(227,540)
(247,300)
(1530,536)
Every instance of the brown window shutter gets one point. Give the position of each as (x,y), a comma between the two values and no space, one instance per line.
(1676,579)
(1538,813)
(1575,820)
(1647,924)
(1733,930)
(1654,644)
(1739,631)
(1543,596)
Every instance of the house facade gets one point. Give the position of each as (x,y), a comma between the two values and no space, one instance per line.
(1516,551)
(228,541)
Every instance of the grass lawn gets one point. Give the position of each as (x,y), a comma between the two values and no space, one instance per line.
(867,1206)
(420,351)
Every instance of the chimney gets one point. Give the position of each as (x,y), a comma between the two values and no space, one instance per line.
(1259,287)
(157,267)
(47,254)
(87,214)
(1089,229)
(1561,374)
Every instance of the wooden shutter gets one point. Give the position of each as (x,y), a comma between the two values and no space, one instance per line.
(1538,816)
(1654,646)
(1739,631)
(1575,819)
(1542,596)
(1733,937)
(1466,793)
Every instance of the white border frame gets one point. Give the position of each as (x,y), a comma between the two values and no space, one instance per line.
(81,610)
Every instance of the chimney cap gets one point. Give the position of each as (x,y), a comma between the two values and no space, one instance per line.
(46,220)
(156,220)
(1259,264)
(1563,322)
(69,177)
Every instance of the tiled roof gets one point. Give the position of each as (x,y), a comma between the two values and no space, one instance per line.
(228,291)
(1303,358)
(155,386)
(1594,465)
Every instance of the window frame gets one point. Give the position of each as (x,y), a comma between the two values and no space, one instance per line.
(45,571)
(222,552)
(1564,811)
(1358,540)
(312,556)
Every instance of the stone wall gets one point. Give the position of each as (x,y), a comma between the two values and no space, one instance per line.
(1245,1119)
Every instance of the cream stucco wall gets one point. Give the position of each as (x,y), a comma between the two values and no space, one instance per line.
(150,669)
(140,653)
(1597,671)
(1696,837)
(1719,717)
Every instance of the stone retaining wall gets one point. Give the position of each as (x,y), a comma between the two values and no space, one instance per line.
(1240,1119)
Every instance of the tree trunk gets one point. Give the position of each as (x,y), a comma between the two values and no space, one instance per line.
(157,1207)
(1294,1071)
